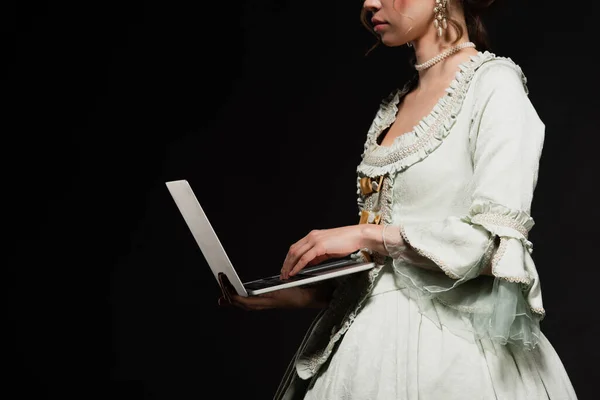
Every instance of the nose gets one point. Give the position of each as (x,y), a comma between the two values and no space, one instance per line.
(372,5)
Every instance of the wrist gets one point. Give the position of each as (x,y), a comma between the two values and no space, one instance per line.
(383,239)
(371,237)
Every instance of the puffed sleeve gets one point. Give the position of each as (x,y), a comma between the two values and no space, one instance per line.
(506,142)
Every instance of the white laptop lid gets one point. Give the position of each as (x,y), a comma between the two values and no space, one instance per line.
(203,233)
(219,262)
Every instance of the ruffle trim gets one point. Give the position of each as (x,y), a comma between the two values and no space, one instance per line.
(488,309)
(312,358)
(349,298)
(427,254)
(414,146)
(500,220)
(511,260)
(505,308)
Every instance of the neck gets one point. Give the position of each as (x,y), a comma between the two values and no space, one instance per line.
(430,46)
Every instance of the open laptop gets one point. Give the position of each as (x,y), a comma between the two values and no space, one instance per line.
(219,262)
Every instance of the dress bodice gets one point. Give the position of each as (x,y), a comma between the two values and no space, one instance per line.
(459,186)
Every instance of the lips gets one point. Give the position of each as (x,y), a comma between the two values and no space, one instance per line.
(378,25)
(376,22)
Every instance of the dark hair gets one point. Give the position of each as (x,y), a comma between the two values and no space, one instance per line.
(473,10)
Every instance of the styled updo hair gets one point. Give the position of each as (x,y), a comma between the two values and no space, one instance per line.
(473,10)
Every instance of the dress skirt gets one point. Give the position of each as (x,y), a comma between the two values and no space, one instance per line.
(392,351)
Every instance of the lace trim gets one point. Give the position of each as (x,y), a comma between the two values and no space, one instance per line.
(370,203)
(379,160)
(501,220)
(512,279)
(319,357)
(466,309)
(538,310)
(444,267)
(382,200)
(386,199)
(403,152)
(489,253)
(499,254)
(289,375)
(385,206)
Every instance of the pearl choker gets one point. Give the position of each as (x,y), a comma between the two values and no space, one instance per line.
(442,55)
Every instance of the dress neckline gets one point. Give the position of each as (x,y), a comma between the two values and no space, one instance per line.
(400,93)
(429,133)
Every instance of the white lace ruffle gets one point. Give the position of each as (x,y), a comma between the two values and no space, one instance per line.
(350,297)
(412,147)
(406,150)
(500,220)
(505,309)
(312,358)
(512,260)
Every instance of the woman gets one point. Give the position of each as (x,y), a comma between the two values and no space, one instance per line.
(452,309)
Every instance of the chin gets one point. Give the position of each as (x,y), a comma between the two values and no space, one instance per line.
(389,39)
(392,42)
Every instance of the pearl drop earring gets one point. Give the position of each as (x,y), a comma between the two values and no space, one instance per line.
(441,12)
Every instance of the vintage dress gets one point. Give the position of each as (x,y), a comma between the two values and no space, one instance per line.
(460,187)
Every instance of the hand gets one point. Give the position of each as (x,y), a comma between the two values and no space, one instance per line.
(294,297)
(320,245)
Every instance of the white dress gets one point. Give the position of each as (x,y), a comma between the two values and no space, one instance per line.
(460,187)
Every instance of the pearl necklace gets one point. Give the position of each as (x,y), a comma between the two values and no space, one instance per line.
(446,53)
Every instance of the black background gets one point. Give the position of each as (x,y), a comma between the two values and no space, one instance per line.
(263,106)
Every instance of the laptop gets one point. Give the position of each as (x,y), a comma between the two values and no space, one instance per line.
(219,262)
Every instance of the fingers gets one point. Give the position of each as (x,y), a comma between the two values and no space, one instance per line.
(230,297)
(305,259)
(307,251)
(222,301)
(296,251)
(260,302)
(226,287)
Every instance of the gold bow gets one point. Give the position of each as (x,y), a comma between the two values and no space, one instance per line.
(366,215)
(369,185)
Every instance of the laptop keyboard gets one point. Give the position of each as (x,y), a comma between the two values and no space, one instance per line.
(305,273)
(273,281)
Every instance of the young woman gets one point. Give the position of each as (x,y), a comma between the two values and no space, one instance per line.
(452,309)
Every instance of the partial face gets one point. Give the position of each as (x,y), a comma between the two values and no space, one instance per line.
(399,21)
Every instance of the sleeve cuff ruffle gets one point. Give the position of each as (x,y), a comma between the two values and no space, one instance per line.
(512,260)
(505,308)
(499,220)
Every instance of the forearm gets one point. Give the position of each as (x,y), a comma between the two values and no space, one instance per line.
(320,293)
(391,243)
(387,240)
